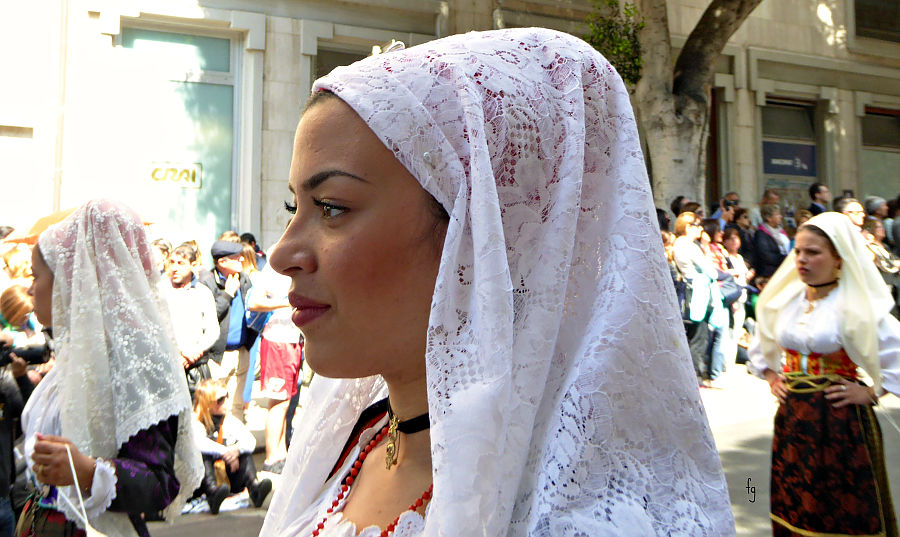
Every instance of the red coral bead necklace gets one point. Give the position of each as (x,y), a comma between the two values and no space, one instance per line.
(354,471)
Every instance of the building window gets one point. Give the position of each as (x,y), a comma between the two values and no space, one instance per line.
(878,19)
(879,158)
(182,129)
(789,151)
(327,60)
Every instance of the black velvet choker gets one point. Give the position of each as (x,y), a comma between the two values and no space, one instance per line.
(395,427)
(826,284)
(412,425)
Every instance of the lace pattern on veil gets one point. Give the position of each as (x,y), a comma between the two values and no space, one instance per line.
(115,353)
(560,387)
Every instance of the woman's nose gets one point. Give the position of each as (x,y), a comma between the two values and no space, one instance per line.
(293,252)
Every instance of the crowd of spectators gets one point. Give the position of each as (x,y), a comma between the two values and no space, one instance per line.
(232,318)
(721,260)
(218,313)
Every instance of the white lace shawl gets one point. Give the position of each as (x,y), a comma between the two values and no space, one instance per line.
(116,364)
(560,388)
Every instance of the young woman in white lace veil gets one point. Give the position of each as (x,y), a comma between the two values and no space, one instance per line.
(554,365)
(117,395)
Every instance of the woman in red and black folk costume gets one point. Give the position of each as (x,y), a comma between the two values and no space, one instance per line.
(829,349)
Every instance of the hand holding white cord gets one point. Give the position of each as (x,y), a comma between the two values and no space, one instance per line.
(89,530)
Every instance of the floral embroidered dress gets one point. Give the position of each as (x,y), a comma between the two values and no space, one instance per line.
(828,471)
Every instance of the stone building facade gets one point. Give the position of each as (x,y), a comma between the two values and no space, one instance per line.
(186,109)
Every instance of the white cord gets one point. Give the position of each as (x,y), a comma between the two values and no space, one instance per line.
(89,530)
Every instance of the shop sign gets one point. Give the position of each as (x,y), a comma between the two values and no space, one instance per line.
(177,174)
(786,158)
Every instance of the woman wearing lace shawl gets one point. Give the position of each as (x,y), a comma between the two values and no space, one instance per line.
(826,311)
(473,234)
(117,396)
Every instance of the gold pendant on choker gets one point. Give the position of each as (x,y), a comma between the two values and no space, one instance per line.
(393,443)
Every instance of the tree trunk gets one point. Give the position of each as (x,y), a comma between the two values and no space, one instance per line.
(673,104)
(676,143)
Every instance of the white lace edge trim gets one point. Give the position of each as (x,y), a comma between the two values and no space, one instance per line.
(103,492)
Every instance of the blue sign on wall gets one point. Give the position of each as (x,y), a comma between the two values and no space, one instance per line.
(786,158)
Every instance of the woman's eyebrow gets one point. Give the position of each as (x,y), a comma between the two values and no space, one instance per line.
(317,179)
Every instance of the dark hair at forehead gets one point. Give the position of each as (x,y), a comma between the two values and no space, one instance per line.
(186,251)
(711,226)
(317,97)
(818,231)
(842,204)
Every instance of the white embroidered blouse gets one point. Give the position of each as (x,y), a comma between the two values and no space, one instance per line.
(818,331)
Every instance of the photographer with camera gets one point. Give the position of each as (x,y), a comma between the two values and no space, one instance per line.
(725,209)
(15,388)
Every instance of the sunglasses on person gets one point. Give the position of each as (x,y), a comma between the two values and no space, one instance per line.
(221,400)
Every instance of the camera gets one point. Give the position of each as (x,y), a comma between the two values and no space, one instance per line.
(731,203)
(32,354)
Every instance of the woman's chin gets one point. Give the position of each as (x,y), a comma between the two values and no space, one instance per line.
(810,280)
(334,367)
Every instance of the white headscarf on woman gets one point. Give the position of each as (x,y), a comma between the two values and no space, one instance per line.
(560,388)
(860,284)
(116,368)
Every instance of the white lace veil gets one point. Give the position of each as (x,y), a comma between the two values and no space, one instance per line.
(860,285)
(560,388)
(116,366)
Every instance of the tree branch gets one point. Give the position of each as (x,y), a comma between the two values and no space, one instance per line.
(696,62)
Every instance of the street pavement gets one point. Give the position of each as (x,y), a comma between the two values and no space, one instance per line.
(740,414)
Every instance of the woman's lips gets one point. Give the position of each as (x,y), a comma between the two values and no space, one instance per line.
(306,310)
(304,316)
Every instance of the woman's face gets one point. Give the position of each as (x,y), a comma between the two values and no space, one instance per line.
(816,261)
(774,220)
(878,231)
(733,244)
(359,250)
(694,231)
(41,290)
(217,407)
(744,221)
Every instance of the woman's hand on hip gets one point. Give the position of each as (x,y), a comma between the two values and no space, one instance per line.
(777,385)
(51,462)
(846,392)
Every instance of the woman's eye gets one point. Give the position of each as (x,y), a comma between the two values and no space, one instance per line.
(292,209)
(329,210)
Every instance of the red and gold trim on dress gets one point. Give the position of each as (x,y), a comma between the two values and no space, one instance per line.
(808,373)
(808,533)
